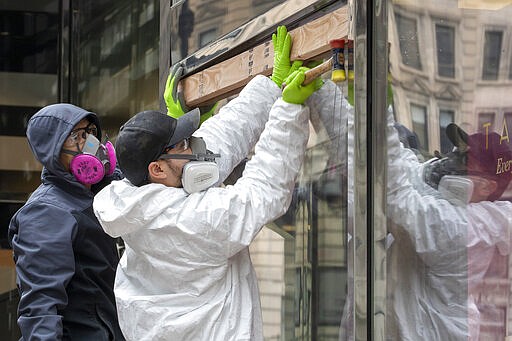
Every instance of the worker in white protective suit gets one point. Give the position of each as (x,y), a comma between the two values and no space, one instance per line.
(186,273)
(443,234)
(447,225)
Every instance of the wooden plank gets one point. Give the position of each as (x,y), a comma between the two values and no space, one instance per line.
(310,41)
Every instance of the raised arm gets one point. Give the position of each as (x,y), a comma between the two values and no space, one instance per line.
(234,130)
(437,228)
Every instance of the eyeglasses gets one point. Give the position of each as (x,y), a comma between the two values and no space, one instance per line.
(80,133)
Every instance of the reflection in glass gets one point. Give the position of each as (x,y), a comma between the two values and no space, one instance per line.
(306,253)
(445,41)
(29,55)
(510,68)
(486,121)
(201,22)
(445,117)
(448,216)
(33,35)
(508,122)
(408,33)
(492,54)
(29,69)
(117,59)
(419,123)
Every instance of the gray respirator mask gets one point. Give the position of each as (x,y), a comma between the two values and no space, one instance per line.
(448,175)
(202,171)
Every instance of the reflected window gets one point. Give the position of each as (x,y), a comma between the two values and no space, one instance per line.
(207,37)
(147,13)
(445,40)
(29,69)
(408,37)
(492,53)
(510,70)
(333,288)
(419,123)
(201,22)
(33,37)
(445,117)
(117,60)
(507,124)
(486,121)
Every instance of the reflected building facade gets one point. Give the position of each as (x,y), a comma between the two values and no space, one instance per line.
(450,64)
(196,23)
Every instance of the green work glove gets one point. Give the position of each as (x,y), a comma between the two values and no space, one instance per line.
(206,112)
(297,93)
(174,100)
(313,63)
(282,42)
(350,92)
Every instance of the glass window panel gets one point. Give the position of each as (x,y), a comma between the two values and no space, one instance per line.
(427,210)
(419,124)
(445,117)
(29,55)
(117,58)
(491,55)
(408,38)
(445,42)
(301,258)
(218,18)
(29,70)
(33,35)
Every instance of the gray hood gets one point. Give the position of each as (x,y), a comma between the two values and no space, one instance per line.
(48,129)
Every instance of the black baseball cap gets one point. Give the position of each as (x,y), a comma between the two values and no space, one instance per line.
(143,138)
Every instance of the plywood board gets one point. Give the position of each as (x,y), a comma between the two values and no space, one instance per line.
(310,41)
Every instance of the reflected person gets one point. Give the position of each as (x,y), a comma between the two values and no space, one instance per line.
(445,217)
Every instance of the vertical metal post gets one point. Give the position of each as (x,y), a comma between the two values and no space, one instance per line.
(360,179)
(369,173)
(378,60)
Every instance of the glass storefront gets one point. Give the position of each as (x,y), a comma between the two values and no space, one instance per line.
(399,226)
(101,55)
(29,79)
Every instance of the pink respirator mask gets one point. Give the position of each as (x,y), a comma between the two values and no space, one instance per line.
(94,162)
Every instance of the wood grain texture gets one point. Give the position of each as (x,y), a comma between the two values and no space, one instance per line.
(310,41)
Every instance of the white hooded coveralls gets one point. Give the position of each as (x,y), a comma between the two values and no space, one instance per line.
(186,273)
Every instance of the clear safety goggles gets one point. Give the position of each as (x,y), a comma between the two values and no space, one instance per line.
(179,147)
(198,147)
(80,134)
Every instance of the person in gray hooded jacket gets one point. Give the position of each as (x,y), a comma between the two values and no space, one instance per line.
(65,263)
